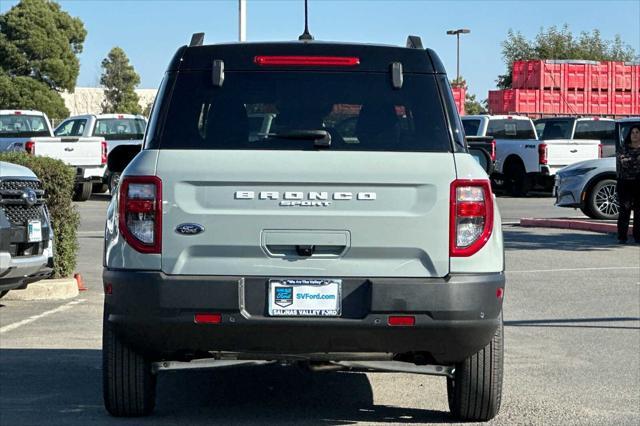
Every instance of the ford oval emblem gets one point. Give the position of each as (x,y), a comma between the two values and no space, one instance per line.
(189,229)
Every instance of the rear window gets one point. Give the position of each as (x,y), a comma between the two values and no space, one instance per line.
(602,130)
(510,129)
(18,126)
(262,110)
(120,128)
(471,127)
(554,129)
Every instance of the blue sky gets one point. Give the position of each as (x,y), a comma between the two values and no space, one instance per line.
(150,31)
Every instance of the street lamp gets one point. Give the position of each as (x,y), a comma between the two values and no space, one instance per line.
(457,34)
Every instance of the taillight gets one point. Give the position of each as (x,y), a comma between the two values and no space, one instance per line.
(308,61)
(471,216)
(30,147)
(493,150)
(140,207)
(103,158)
(542,153)
(599,150)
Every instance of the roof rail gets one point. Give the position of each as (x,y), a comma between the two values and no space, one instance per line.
(414,42)
(196,39)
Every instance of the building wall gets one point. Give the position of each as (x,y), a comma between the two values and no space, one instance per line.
(88,100)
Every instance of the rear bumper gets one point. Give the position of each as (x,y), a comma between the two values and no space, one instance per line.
(455,316)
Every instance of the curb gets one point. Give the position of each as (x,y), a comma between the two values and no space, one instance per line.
(582,225)
(65,288)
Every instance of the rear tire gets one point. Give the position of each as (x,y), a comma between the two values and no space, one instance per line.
(475,392)
(517,183)
(129,387)
(82,191)
(601,201)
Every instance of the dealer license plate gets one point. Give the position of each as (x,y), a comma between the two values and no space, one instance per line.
(34,231)
(305,298)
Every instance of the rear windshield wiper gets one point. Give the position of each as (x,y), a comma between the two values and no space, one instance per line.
(320,138)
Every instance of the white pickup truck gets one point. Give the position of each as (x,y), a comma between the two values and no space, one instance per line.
(123,133)
(579,129)
(30,131)
(522,160)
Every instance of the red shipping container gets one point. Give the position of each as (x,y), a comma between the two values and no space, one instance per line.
(635,103)
(635,78)
(537,74)
(577,75)
(622,103)
(575,101)
(551,102)
(599,102)
(459,96)
(600,76)
(620,76)
(513,100)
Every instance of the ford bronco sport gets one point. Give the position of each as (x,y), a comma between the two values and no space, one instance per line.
(353,226)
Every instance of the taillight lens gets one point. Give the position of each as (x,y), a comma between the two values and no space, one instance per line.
(103,158)
(493,150)
(542,153)
(30,147)
(140,207)
(471,216)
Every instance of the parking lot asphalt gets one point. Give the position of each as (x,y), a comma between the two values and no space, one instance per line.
(572,333)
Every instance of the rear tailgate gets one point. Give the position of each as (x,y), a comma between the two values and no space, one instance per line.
(84,151)
(562,152)
(379,214)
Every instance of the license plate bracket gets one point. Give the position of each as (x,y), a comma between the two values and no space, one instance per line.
(305,297)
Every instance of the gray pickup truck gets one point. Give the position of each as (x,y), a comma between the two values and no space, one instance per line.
(355,228)
(26,237)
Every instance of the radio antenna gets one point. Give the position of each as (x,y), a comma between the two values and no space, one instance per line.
(306,35)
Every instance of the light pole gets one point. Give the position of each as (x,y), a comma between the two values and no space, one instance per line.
(457,34)
(242,20)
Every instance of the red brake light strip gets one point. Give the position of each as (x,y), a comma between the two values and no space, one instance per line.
(308,61)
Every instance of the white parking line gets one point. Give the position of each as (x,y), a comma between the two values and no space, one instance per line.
(612,268)
(33,318)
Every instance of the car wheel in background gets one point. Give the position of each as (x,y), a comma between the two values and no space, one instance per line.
(601,202)
(475,391)
(517,182)
(82,191)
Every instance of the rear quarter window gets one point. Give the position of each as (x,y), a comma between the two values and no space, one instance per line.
(471,127)
(360,111)
(601,130)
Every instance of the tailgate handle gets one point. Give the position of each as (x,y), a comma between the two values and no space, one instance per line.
(305,244)
(305,251)
(68,149)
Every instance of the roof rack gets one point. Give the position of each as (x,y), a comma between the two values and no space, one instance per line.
(414,42)
(196,39)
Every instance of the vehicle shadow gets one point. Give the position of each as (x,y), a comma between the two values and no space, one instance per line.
(576,323)
(520,238)
(101,197)
(65,387)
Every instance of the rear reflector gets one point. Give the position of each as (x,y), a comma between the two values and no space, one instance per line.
(499,292)
(402,321)
(207,318)
(308,61)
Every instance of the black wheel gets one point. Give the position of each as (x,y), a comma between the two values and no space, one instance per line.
(475,392)
(114,179)
(516,181)
(82,191)
(100,188)
(128,385)
(601,201)
(3,293)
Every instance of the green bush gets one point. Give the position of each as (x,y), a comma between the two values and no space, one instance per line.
(58,182)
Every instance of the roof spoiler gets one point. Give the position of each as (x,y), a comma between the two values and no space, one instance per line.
(414,42)
(196,39)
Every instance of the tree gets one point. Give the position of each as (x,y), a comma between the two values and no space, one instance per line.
(39,44)
(561,43)
(119,80)
(147,109)
(471,104)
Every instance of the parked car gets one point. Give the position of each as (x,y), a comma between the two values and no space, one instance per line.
(300,245)
(30,131)
(579,129)
(522,160)
(26,237)
(123,133)
(591,185)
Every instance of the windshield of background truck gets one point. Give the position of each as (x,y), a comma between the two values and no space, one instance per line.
(510,129)
(554,129)
(18,126)
(359,111)
(471,126)
(120,128)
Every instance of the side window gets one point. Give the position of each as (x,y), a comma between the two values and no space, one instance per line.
(603,131)
(65,128)
(511,129)
(78,128)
